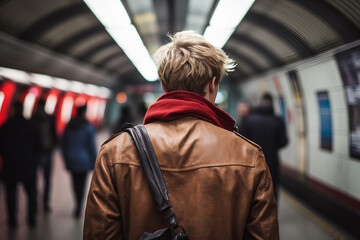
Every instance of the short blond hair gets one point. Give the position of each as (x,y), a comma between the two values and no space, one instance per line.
(189,62)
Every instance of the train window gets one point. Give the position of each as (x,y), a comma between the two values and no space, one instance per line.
(67,109)
(30,100)
(50,104)
(2,97)
(92,110)
(101,112)
(81,100)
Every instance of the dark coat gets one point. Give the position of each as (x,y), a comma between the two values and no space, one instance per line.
(47,130)
(78,146)
(19,142)
(267,130)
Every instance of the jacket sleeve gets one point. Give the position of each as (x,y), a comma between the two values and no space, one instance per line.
(102,214)
(262,222)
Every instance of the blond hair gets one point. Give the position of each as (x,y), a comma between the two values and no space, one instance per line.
(189,62)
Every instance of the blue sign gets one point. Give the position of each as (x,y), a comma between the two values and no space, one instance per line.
(325,120)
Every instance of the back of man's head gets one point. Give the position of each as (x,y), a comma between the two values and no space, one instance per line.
(81,111)
(267,99)
(243,108)
(189,62)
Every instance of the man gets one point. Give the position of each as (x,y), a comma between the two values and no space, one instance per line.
(267,130)
(243,109)
(79,152)
(48,139)
(218,182)
(19,142)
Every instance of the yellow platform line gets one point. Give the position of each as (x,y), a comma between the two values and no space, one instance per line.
(312,216)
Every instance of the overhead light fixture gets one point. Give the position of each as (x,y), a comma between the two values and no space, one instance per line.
(91,89)
(53,82)
(104,92)
(61,84)
(112,14)
(42,80)
(15,75)
(130,42)
(77,87)
(227,16)
(121,97)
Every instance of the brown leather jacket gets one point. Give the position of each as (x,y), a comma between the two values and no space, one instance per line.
(218,182)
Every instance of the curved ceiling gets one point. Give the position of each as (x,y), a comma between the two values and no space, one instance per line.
(272,33)
(284,31)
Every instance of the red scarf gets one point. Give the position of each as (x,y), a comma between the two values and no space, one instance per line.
(179,104)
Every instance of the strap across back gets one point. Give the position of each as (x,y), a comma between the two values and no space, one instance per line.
(153,173)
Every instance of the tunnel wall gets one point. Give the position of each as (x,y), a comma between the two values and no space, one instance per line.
(333,168)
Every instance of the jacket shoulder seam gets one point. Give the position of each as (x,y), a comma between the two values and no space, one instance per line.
(247,140)
(189,168)
(111,138)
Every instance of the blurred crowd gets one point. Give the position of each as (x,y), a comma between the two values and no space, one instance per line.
(26,148)
(26,156)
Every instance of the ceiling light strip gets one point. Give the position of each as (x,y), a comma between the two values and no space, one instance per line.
(227,16)
(52,82)
(112,14)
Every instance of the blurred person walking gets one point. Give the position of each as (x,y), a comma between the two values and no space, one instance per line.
(243,109)
(267,130)
(125,117)
(218,181)
(48,139)
(79,152)
(19,143)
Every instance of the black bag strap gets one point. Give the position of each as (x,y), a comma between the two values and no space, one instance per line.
(152,171)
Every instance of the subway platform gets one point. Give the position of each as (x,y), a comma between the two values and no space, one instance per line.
(296,220)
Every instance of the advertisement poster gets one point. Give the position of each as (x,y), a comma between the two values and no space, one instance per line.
(349,65)
(325,120)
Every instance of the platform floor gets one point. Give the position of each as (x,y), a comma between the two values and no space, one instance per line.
(296,220)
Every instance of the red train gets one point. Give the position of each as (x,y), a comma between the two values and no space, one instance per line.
(62,97)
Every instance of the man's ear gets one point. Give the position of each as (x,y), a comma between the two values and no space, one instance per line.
(212,85)
(162,86)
